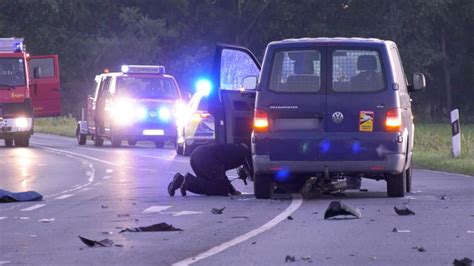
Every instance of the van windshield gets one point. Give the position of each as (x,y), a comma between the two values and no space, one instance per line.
(12,72)
(147,87)
(296,71)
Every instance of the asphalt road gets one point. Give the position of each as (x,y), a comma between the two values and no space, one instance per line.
(96,192)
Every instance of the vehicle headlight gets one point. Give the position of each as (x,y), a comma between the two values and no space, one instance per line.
(141,113)
(164,114)
(21,122)
(123,112)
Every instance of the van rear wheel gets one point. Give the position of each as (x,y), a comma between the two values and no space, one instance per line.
(262,186)
(396,184)
(409,178)
(9,142)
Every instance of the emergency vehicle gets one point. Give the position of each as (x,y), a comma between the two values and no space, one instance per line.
(139,103)
(29,87)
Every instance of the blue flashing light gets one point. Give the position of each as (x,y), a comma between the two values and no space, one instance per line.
(203,87)
(325,146)
(283,174)
(356,147)
(142,113)
(164,114)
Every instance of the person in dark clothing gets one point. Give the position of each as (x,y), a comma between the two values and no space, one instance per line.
(210,163)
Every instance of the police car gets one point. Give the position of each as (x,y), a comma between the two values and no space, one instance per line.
(324,107)
(197,126)
(139,103)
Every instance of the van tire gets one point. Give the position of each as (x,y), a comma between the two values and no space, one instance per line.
(8,142)
(179,149)
(159,144)
(81,138)
(22,142)
(132,142)
(116,141)
(98,141)
(396,185)
(409,179)
(262,186)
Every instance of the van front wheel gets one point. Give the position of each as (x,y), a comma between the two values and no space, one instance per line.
(396,185)
(262,186)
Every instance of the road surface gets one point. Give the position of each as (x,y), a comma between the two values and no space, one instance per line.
(96,192)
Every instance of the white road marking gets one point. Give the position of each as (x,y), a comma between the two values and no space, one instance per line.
(156,209)
(106,177)
(46,220)
(181,213)
(34,207)
(3,218)
(470,232)
(295,204)
(82,155)
(445,173)
(85,189)
(109,171)
(4,262)
(65,196)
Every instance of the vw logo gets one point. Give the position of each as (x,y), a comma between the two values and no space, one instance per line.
(337,117)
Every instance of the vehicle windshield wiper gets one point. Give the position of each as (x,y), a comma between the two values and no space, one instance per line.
(8,87)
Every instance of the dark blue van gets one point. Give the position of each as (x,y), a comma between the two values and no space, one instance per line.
(326,107)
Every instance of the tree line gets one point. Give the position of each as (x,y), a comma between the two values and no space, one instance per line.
(434,37)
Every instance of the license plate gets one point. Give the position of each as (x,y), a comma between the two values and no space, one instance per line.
(153,132)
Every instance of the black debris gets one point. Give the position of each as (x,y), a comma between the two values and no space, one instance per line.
(444,197)
(363,190)
(123,215)
(315,212)
(403,211)
(253,243)
(289,258)
(419,248)
(464,262)
(239,217)
(289,218)
(104,206)
(337,208)
(107,233)
(395,230)
(7,196)
(102,243)
(119,245)
(308,258)
(161,227)
(217,211)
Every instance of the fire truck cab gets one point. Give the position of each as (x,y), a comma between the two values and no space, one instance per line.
(138,103)
(29,87)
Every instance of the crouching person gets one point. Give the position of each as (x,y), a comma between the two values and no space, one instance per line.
(210,164)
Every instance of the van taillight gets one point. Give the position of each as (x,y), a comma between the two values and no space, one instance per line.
(393,120)
(260,122)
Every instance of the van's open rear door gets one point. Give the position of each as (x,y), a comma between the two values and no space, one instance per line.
(44,85)
(231,105)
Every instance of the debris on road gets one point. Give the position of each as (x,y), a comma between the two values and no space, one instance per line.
(217,211)
(289,218)
(123,215)
(104,206)
(7,196)
(444,197)
(463,262)
(46,220)
(307,258)
(253,243)
(118,245)
(161,227)
(239,217)
(419,248)
(395,230)
(403,211)
(337,208)
(363,190)
(289,258)
(103,243)
(107,233)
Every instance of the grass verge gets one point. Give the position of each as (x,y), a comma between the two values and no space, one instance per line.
(63,126)
(433,148)
(432,143)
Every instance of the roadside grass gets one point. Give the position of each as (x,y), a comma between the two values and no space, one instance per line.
(432,143)
(433,148)
(63,126)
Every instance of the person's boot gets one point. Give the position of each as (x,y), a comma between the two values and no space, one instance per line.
(188,179)
(175,184)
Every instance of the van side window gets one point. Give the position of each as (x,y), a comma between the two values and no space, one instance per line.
(236,66)
(399,72)
(296,71)
(356,71)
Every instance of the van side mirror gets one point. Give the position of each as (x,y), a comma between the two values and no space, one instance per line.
(36,72)
(419,82)
(249,83)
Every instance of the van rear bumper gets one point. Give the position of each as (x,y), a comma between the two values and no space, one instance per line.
(393,163)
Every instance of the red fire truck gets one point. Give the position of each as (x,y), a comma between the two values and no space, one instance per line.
(29,87)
